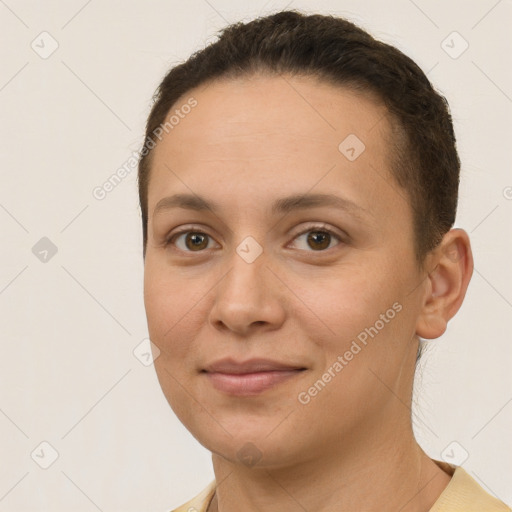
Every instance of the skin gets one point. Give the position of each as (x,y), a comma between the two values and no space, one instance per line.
(248,142)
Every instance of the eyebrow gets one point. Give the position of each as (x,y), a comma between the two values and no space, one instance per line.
(280,206)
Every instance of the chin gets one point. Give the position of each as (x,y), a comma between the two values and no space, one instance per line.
(251,445)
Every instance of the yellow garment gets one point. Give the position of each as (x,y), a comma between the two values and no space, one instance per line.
(462,494)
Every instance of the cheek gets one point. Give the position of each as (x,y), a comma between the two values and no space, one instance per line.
(348,301)
(176,309)
(168,304)
(171,317)
(366,321)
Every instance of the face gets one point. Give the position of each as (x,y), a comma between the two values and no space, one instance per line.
(324,289)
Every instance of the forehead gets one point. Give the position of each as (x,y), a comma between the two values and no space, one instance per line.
(261,133)
(286,107)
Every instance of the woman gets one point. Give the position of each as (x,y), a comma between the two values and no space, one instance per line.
(298,187)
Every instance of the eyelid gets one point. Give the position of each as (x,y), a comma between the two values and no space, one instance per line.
(319,226)
(314,226)
(322,227)
(184,230)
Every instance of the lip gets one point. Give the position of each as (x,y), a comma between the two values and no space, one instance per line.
(229,365)
(249,378)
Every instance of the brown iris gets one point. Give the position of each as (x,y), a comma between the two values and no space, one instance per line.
(321,238)
(196,240)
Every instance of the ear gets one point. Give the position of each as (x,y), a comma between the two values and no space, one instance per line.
(451,264)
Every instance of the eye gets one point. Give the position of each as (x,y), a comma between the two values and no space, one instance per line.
(194,241)
(318,238)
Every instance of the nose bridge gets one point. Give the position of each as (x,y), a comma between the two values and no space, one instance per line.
(246,279)
(246,295)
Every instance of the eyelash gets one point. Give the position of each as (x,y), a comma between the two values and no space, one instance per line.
(315,228)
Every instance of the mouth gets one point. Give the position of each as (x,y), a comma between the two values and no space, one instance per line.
(249,378)
(247,384)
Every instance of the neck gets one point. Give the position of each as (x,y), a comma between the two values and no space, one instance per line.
(391,473)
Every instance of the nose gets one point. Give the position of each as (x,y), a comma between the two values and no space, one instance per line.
(249,297)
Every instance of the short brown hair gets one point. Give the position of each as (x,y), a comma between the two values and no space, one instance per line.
(425,162)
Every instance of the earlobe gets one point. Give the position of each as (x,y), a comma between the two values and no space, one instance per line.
(446,283)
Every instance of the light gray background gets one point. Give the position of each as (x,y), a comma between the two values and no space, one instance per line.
(70,324)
